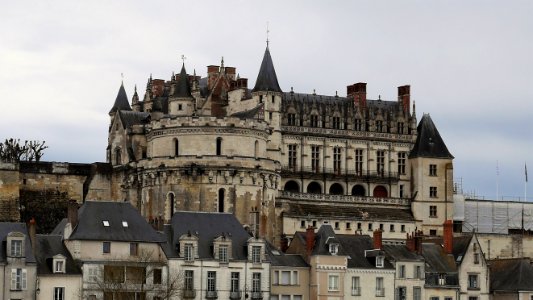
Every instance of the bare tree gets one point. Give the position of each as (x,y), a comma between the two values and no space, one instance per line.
(12,151)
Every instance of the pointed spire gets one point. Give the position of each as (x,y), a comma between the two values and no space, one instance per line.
(267,79)
(121,102)
(429,143)
(135,98)
(222,63)
(183,87)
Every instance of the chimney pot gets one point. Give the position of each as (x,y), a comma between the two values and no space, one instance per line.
(448,236)
(378,239)
(310,240)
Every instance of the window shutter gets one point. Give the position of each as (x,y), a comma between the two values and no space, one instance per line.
(13,279)
(24,279)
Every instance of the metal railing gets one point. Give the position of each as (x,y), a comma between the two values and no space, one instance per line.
(344,198)
(189,294)
(380,292)
(211,294)
(356,291)
(234,295)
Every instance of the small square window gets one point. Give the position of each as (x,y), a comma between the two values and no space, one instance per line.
(432,170)
(333,249)
(336,225)
(370,227)
(391,228)
(106,223)
(402,228)
(433,191)
(432,211)
(124,224)
(348,225)
(302,224)
(380,261)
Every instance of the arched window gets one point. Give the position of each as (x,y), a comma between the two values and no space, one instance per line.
(221,194)
(118,158)
(314,188)
(380,191)
(176,147)
(336,189)
(358,190)
(219,146)
(256,149)
(171,206)
(292,186)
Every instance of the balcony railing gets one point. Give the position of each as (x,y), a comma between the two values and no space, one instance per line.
(380,292)
(189,294)
(356,291)
(235,295)
(342,172)
(257,295)
(343,198)
(347,133)
(211,294)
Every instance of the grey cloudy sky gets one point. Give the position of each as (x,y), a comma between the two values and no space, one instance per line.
(469,64)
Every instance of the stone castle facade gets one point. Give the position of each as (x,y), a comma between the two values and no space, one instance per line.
(280,161)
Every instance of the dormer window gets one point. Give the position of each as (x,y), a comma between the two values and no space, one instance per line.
(223,253)
(15,244)
(380,261)
(188,247)
(59,264)
(188,252)
(256,254)
(106,223)
(333,249)
(124,224)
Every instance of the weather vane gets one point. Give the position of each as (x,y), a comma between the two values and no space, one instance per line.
(183,58)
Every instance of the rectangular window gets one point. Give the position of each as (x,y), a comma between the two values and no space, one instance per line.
(476,258)
(336,123)
(402,156)
(291,118)
(432,211)
(59,293)
(433,191)
(472,298)
(315,158)
(401,293)
(134,249)
(356,286)
(211,281)
(93,274)
(16,248)
(336,225)
(473,281)
(256,254)
(433,298)
(417,293)
(400,127)
(358,124)
(302,224)
(285,278)
(380,162)
(294,278)
(348,225)
(333,283)
(292,156)
(370,227)
(391,228)
(359,162)
(314,120)
(402,228)
(359,226)
(18,279)
(451,298)
(337,160)
(189,280)
(187,252)
(234,282)
(381,227)
(106,247)
(418,272)
(379,126)
(59,266)
(223,253)
(401,271)
(380,289)
(256,282)
(158,276)
(402,192)
(432,170)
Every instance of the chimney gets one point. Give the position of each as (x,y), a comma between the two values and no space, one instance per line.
(32,230)
(72,213)
(404,97)
(310,240)
(378,239)
(419,237)
(448,236)
(410,242)
(358,93)
(284,243)
(212,74)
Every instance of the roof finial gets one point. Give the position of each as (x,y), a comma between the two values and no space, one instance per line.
(222,62)
(122,76)
(268,31)
(336,93)
(183,58)
(135,88)
(379,97)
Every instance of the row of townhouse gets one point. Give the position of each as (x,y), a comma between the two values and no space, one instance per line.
(106,250)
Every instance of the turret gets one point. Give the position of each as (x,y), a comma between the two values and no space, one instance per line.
(181,101)
(121,102)
(136,106)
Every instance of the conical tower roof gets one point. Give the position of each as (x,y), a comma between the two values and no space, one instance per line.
(183,88)
(429,143)
(267,79)
(121,102)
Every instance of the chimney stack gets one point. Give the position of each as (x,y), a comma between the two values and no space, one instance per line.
(284,243)
(358,93)
(404,97)
(72,213)
(310,240)
(448,236)
(410,243)
(32,231)
(378,239)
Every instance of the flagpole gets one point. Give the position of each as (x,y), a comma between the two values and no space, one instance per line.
(525,183)
(497,181)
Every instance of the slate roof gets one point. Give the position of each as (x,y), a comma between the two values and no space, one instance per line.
(206,226)
(183,87)
(90,223)
(121,102)
(129,118)
(305,97)
(47,246)
(280,259)
(355,246)
(437,263)
(5,229)
(359,212)
(248,114)
(460,246)
(511,275)
(429,143)
(401,253)
(267,79)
